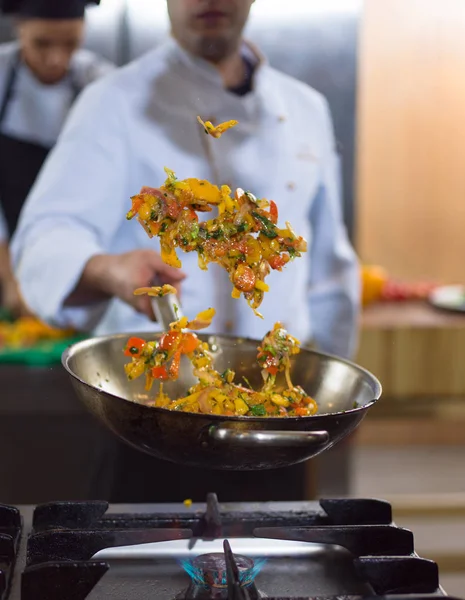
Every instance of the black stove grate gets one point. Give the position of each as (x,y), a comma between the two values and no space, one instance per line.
(66,535)
(10,533)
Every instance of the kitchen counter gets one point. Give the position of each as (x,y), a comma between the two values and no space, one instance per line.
(415,314)
(414,349)
(418,353)
(51,447)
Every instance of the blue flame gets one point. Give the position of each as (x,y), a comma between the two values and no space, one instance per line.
(246,576)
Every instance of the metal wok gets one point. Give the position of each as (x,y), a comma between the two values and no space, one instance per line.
(344,392)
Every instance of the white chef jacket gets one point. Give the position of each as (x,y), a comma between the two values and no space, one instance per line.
(122,132)
(36,112)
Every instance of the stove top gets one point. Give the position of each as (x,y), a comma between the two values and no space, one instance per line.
(346,549)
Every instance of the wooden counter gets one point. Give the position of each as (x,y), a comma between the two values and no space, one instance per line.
(414,349)
(418,354)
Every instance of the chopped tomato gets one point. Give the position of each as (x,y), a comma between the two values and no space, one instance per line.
(301,411)
(278,262)
(189,343)
(134,347)
(244,278)
(273,212)
(169,340)
(160,373)
(174,368)
(173,209)
(272,370)
(240,246)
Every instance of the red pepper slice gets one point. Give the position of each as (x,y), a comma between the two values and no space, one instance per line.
(174,368)
(134,347)
(160,373)
(273,212)
(169,341)
(189,343)
(137,202)
(193,215)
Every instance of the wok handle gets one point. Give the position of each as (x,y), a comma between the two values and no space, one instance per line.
(270,439)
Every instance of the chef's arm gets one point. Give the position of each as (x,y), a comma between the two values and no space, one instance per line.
(74,210)
(10,297)
(334,293)
(6,273)
(5,264)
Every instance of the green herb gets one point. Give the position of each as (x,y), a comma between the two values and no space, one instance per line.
(164,227)
(242,227)
(268,228)
(247,382)
(195,231)
(218,234)
(176,310)
(184,241)
(153,215)
(292,252)
(227,375)
(133,350)
(270,349)
(258,410)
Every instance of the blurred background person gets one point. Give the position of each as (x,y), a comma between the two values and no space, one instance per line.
(41,74)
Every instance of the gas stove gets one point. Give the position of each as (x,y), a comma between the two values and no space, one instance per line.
(346,549)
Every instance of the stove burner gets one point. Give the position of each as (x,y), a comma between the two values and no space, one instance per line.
(210,570)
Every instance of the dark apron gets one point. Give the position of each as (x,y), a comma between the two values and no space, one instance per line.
(20,161)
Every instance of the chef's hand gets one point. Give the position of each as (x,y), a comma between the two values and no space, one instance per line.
(119,275)
(11,298)
(136,269)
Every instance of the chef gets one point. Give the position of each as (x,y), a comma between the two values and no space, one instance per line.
(41,75)
(78,259)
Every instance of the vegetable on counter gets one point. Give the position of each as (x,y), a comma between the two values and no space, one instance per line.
(26,332)
(377,286)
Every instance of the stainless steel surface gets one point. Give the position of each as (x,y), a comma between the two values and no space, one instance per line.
(269,438)
(179,549)
(167,309)
(342,390)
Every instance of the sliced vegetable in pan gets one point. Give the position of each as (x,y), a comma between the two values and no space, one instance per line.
(218,393)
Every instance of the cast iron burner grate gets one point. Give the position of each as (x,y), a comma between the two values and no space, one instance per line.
(10,532)
(65,536)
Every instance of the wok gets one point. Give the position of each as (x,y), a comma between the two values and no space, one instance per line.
(344,392)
